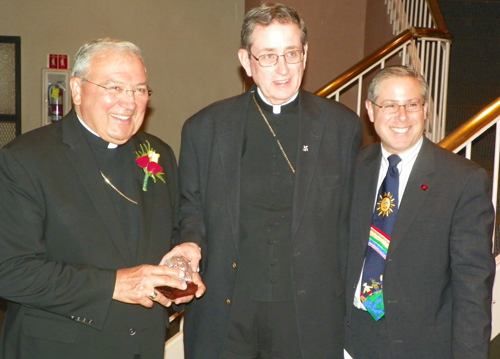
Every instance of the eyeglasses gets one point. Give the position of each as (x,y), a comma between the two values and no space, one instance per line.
(268,60)
(392,107)
(120,91)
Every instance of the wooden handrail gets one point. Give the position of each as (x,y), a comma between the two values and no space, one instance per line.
(394,43)
(436,14)
(472,127)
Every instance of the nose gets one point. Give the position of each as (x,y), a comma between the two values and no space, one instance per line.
(402,112)
(282,65)
(127,100)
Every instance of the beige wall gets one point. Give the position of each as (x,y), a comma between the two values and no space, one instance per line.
(189,46)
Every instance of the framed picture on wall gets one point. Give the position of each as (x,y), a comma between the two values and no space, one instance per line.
(10,88)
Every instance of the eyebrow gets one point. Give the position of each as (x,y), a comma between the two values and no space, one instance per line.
(118,82)
(396,101)
(273,50)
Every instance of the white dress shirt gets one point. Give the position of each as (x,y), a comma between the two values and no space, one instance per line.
(404,167)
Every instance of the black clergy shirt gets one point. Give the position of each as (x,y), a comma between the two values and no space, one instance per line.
(267,184)
(119,166)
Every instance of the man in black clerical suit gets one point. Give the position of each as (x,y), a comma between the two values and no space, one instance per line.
(84,225)
(265,186)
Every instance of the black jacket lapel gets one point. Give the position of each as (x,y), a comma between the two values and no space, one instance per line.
(80,155)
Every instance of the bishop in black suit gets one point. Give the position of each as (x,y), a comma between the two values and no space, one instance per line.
(269,212)
(81,234)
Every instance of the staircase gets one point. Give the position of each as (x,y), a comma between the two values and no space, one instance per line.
(474,71)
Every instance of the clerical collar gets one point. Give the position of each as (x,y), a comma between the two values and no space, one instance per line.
(110,145)
(276,108)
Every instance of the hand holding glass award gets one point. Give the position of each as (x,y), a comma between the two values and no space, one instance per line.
(184,265)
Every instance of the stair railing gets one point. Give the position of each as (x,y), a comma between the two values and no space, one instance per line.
(421,42)
(464,136)
(424,49)
(404,14)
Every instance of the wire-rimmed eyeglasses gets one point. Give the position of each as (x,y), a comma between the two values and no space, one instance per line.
(268,60)
(392,107)
(141,92)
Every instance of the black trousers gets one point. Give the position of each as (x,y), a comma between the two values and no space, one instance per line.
(368,338)
(264,330)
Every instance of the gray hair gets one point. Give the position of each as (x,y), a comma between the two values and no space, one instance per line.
(85,54)
(392,72)
(264,15)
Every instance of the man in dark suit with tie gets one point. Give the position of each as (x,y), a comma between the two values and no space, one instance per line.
(419,287)
(88,208)
(265,189)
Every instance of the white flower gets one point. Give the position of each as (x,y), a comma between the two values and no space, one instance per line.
(153,156)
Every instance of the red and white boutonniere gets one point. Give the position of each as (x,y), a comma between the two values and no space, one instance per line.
(147,159)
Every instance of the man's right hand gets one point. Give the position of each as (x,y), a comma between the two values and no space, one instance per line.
(137,285)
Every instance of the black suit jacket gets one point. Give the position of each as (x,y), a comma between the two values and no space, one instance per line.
(209,166)
(439,267)
(61,242)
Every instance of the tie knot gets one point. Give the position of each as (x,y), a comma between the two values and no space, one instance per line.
(393,160)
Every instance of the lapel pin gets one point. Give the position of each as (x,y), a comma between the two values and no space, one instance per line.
(305,148)
(424,187)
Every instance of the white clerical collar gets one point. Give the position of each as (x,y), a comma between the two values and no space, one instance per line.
(110,145)
(276,108)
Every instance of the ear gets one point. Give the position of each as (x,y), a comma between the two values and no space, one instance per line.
(245,61)
(76,90)
(305,55)
(369,109)
(426,107)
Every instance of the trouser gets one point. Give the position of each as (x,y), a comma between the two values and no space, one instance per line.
(264,330)
(368,338)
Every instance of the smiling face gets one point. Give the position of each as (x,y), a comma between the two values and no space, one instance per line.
(114,119)
(399,131)
(280,82)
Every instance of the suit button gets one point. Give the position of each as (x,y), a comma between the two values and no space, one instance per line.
(354,286)
(348,323)
(234,265)
(132,331)
(228,301)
